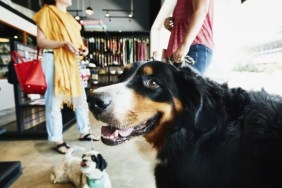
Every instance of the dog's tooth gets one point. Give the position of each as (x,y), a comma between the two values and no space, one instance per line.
(116,133)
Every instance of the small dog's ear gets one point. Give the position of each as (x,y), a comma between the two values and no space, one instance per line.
(101,162)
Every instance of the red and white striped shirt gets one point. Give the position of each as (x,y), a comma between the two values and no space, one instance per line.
(182,15)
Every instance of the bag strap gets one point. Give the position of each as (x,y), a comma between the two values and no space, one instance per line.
(38,52)
(15,55)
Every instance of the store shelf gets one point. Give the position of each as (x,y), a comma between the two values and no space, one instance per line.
(37,132)
(30,110)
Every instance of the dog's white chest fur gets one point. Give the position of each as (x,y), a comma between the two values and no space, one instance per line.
(68,171)
(146,150)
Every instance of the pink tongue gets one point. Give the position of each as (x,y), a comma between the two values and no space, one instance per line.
(108,131)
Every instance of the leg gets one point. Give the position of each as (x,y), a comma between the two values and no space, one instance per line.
(82,118)
(53,115)
(202,57)
(81,114)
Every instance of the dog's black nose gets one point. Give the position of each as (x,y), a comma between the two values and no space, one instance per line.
(99,102)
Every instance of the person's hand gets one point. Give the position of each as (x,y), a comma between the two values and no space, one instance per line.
(83,51)
(180,53)
(71,47)
(168,23)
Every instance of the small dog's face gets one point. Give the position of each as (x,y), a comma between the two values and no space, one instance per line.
(93,164)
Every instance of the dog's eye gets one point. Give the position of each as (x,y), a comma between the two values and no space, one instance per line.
(93,158)
(151,84)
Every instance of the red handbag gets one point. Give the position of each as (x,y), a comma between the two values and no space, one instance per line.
(30,74)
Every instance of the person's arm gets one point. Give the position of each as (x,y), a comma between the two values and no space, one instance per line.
(43,42)
(200,10)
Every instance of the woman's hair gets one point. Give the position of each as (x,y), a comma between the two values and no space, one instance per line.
(49,2)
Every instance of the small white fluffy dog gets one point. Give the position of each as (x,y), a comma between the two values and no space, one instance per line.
(87,172)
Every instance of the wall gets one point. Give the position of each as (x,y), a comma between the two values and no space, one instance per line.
(6,95)
(19,8)
(15,20)
(225,28)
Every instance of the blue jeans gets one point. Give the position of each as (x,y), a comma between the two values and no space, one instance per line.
(202,56)
(53,115)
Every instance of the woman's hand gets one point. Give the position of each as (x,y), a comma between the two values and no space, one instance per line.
(83,51)
(68,45)
(180,53)
(168,23)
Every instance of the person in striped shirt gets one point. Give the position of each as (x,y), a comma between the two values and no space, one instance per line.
(191,27)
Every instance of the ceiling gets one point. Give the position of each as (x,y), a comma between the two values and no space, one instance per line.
(145,12)
(30,4)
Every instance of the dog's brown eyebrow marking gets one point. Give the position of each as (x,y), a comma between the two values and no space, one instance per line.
(168,110)
(178,105)
(148,70)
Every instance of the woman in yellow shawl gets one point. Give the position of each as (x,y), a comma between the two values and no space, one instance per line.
(58,33)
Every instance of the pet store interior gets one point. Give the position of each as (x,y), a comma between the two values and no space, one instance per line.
(247,53)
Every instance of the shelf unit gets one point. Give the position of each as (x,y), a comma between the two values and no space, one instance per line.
(4,58)
(111,51)
(30,111)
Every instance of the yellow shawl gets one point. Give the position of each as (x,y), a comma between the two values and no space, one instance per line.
(61,26)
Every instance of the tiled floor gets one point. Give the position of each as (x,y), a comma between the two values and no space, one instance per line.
(126,167)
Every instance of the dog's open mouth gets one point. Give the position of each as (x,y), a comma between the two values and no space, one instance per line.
(113,136)
(83,164)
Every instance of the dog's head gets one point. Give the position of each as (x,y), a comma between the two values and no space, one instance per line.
(145,102)
(93,164)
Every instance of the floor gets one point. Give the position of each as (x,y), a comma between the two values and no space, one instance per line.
(126,167)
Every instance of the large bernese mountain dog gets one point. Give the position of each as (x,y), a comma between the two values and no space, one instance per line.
(206,134)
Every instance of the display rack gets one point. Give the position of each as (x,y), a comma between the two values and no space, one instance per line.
(111,51)
(4,58)
(30,111)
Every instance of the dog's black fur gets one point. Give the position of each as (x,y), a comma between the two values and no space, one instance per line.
(223,138)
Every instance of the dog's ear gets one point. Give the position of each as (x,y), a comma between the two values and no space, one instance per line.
(194,87)
(192,90)
(101,162)
(128,70)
